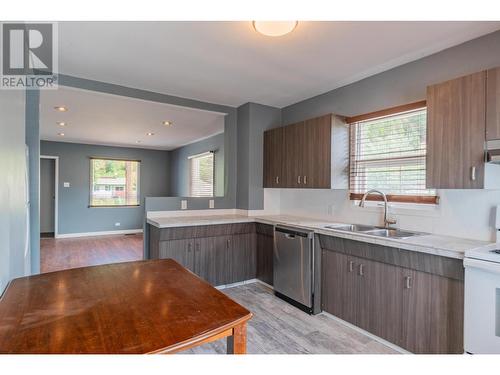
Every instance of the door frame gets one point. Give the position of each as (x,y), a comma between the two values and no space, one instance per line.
(56,191)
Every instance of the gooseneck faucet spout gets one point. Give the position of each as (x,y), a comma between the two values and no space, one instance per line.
(387,222)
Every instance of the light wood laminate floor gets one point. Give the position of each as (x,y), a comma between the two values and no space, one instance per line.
(64,253)
(279,328)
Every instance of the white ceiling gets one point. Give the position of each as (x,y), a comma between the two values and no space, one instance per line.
(104,119)
(229,63)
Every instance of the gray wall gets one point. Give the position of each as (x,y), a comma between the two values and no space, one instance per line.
(253,120)
(32,138)
(230,159)
(47,194)
(13,209)
(401,85)
(74,167)
(179,165)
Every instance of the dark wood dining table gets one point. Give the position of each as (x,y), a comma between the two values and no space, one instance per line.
(149,306)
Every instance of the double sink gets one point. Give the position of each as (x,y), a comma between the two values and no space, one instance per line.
(375,231)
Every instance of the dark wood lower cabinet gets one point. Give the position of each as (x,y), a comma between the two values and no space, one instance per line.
(416,310)
(181,251)
(265,248)
(218,259)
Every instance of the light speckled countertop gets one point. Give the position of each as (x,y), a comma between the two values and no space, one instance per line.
(452,247)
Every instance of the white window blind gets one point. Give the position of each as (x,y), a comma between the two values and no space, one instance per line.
(201,183)
(388,154)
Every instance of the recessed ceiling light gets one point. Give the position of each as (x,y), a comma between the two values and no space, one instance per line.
(61,123)
(167,123)
(61,109)
(60,134)
(150,133)
(274,28)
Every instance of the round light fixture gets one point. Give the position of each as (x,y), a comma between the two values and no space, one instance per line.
(150,134)
(61,123)
(167,123)
(60,134)
(61,109)
(274,28)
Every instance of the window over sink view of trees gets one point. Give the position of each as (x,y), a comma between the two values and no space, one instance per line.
(114,182)
(389,154)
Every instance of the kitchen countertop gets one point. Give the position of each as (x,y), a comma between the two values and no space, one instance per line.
(452,247)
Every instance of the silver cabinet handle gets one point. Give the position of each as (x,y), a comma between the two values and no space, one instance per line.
(298,180)
(361,269)
(351,266)
(305,180)
(473,174)
(408,282)
(228,243)
(277,180)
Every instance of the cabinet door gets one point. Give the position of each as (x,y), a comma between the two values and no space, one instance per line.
(456,115)
(339,291)
(242,257)
(416,327)
(273,158)
(316,166)
(265,248)
(447,316)
(293,155)
(493,104)
(379,308)
(181,251)
(211,259)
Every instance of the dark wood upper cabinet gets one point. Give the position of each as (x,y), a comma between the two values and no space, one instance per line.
(273,158)
(456,126)
(308,154)
(493,104)
(293,156)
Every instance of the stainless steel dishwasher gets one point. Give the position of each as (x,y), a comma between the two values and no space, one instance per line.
(294,266)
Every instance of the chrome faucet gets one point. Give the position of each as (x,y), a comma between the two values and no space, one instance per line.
(387,222)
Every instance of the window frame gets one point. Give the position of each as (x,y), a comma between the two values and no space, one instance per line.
(198,155)
(396,198)
(91,186)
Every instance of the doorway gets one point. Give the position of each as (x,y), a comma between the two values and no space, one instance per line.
(49,168)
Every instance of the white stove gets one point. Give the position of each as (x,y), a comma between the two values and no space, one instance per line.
(482,301)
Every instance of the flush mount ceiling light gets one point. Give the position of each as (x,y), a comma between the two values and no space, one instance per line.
(60,134)
(61,109)
(167,123)
(61,123)
(150,134)
(274,28)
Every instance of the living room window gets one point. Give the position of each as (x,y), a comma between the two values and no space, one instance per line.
(201,176)
(114,183)
(388,153)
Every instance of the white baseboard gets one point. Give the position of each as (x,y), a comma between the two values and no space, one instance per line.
(250,281)
(100,233)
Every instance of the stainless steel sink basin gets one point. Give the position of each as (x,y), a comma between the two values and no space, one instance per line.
(353,227)
(393,233)
(375,231)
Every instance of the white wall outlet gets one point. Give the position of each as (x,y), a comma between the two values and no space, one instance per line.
(184,204)
(117,224)
(211,203)
(66,184)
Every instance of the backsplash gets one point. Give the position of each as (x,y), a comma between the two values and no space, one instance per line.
(460,213)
